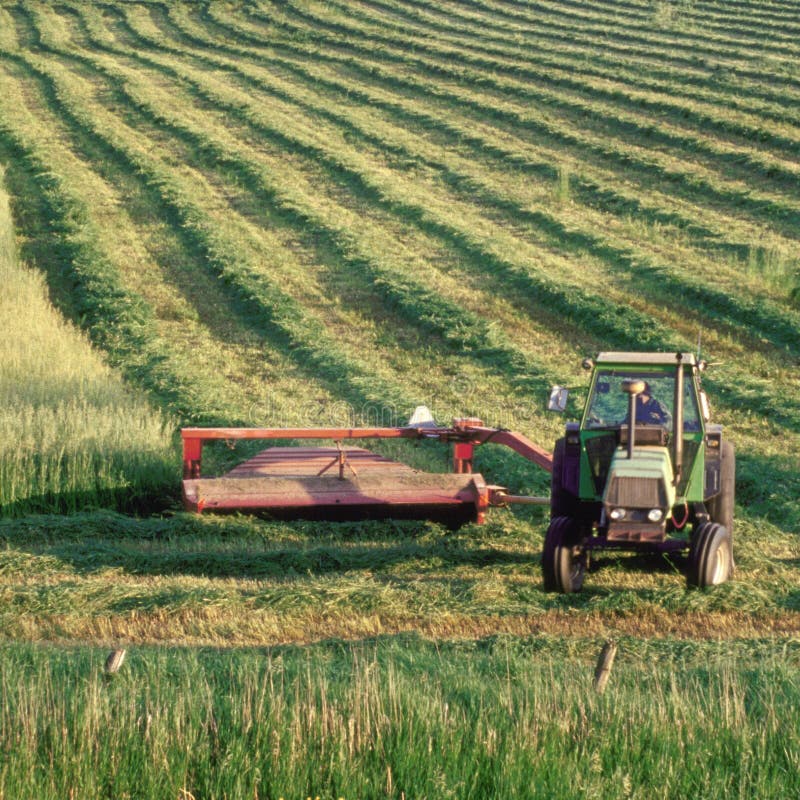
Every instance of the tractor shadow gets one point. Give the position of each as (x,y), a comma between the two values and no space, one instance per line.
(641,563)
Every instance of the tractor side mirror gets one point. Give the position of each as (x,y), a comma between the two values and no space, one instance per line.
(558,399)
(705,409)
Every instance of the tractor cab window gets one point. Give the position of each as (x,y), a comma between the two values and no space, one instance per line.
(608,405)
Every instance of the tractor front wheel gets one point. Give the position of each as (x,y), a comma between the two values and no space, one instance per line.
(710,556)
(563,559)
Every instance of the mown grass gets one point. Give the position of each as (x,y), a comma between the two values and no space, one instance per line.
(624,256)
(687,177)
(704,296)
(217,581)
(470,186)
(573,92)
(227,248)
(403,718)
(354,210)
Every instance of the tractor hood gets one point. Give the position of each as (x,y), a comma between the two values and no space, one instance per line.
(639,494)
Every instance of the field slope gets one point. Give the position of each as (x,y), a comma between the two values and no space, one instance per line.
(301,213)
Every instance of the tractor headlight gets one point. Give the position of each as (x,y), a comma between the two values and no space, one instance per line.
(655,515)
(617,514)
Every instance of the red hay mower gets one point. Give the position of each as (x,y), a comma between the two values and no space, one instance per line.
(347,483)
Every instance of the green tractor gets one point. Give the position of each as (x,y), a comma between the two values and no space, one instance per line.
(644,470)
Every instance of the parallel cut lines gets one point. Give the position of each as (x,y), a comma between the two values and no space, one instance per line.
(662,47)
(485,139)
(754,19)
(664,26)
(183,339)
(528,47)
(512,198)
(608,106)
(375,384)
(374,125)
(693,183)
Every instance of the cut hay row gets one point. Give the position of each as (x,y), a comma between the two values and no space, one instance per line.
(241,581)
(284,123)
(648,46)
(689,177)
(193,371)
(641,164)
(479,33)
(413,295)
(738,18)
(710,300)
(120,320)
(232,259)
(274,308)
(664,26)
(379,189)
(664,32)
(534,70)
(620,255)
(597,187)
(591,53)
(78,106)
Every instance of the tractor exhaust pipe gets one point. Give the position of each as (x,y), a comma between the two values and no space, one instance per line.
(633,387)
(677,422)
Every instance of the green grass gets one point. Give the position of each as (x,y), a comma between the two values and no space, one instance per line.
(402,718)
(73,435)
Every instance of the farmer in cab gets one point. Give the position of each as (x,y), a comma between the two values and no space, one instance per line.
(650,411)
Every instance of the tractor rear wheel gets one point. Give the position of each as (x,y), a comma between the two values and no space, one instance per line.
(563,562)
(720,507)
(562,503)
(710,556)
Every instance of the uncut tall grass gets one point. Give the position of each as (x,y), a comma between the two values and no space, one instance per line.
(400,719)
(72,435)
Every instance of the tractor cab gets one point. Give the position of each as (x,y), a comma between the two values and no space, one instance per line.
(644,468)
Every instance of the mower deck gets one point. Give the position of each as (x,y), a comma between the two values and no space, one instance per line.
(338,483)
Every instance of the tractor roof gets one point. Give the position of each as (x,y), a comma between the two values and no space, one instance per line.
(645,359)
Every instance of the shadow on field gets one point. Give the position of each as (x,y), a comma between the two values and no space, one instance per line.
(139,501)
(643,563)
(793,600)
(768,487)
(289,562)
